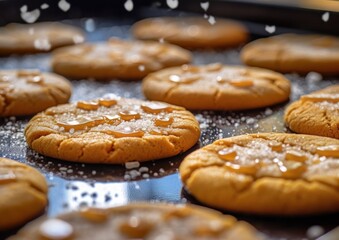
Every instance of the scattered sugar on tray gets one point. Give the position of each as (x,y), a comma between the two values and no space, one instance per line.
(64,5)
(29,17)
(172,3)
(313,77)
(130,165)
(44,6)
(89,25)
(143,169)
(315,231)
(128,5)
(268,112)
(204,5)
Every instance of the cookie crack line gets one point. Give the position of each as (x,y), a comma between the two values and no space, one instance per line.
(278,61)
(7,103)
(49,90)
(328,123)
(169,92)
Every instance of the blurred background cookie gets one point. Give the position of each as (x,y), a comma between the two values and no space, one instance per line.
(192,32)
(112,130)
(23,193)
(294,53)
(37,37)
(270,174)
(117,58)
(315,113)
(140,221)
(28,91)
(217,87)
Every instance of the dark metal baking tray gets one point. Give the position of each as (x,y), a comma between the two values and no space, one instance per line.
(72,185)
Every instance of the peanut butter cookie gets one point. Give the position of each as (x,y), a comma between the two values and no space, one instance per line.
(38,37)
(140,221)
(269,173)
(192,32)
(316,113)
(24,92)
(23,193)
(112,130)
(294,53)
(117,58)
(217,87)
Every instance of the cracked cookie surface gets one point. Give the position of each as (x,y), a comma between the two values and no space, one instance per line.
(141,221)
(316,113)
(25,92)
(112,130)
(294,53)
(37,37)
(117,58)
(268,173)
(23,193)
(191,32)
(217,87)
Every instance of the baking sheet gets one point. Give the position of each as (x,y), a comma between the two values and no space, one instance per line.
(73,185)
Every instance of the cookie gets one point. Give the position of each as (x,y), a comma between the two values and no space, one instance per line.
(269,173)
(192,32)
(38,37)
(294,53)
(117,58)
(148,221)
(25,92)
(316,113)
(217,87)
(112,130)
(23,193)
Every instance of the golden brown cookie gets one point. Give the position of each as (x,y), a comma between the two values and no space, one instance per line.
(217,87)
(192,32)
(269,173)
(38,37)
(148,221)
(23,193)
(112,130)
(294,53)
(316,113)
(24,92)
(117,58)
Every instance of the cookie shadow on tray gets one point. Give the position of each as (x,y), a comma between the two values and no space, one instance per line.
(279,227)
(132,171)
